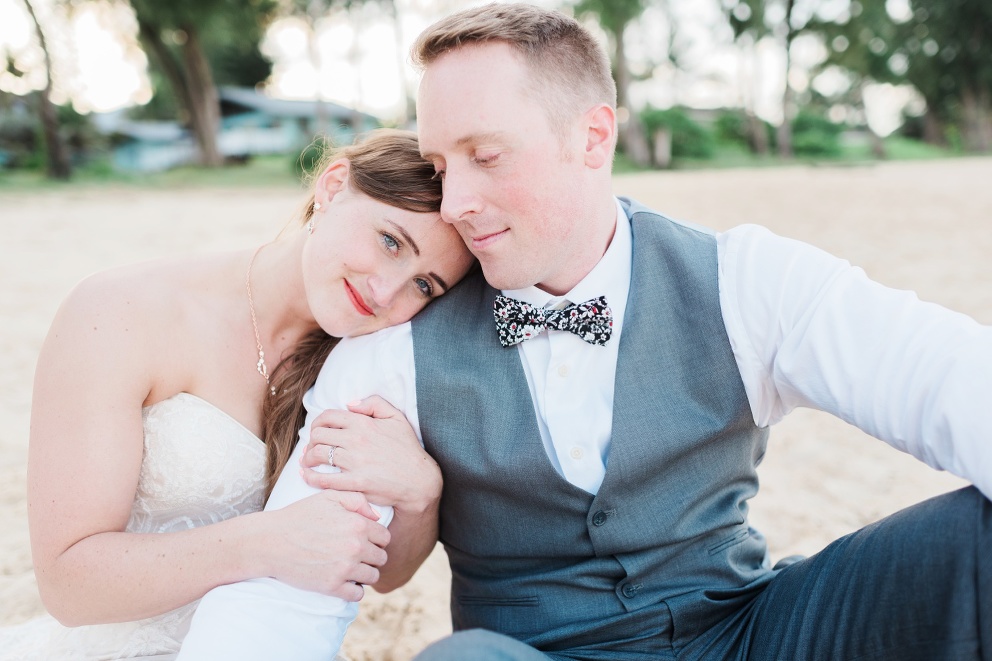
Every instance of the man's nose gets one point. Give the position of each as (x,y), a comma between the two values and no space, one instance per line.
(461,196)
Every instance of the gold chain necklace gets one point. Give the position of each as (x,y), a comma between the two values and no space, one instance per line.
(260,365)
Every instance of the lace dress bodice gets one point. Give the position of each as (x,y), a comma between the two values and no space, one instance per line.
(200,466)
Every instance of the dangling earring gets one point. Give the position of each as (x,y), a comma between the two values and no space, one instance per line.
(316,208)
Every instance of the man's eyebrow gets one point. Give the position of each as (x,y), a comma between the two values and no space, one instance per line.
(406,236)
(468,139)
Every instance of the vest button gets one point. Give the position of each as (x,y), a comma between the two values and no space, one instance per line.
(599,518)
(629,590)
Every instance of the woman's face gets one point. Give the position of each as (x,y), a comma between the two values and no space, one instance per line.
(368,265)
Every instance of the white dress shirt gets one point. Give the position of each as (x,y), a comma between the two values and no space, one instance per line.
(806,329)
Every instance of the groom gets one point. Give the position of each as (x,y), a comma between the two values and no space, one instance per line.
(599,441)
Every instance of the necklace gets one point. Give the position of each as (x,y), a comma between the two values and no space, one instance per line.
(260,365)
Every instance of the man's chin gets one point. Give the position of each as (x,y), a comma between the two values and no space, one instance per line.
(503,278)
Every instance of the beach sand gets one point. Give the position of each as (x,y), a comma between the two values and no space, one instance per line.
(925,226)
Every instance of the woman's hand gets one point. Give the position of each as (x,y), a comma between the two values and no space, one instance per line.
(329,542)
(378,454)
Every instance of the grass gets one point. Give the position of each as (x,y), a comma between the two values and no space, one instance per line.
(730,155)
(278,171)
(261,171)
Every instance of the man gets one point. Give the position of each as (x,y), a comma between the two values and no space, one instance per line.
(599,444)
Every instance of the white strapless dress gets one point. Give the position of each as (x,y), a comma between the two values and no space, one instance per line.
(200,466)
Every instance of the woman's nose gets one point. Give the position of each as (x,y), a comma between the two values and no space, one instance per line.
(384,288)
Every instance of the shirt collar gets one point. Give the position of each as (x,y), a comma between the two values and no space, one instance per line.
(610,277)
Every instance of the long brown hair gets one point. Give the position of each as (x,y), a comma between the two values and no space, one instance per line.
(386,165)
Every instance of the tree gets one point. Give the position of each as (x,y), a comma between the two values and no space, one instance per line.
(615,16)
(311,11)
(58,166)
(747,20)
(179,37)
(948,48)
(862,42)
(942,48)
(753,21)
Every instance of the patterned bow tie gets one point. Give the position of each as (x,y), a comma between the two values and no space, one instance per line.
(517,321)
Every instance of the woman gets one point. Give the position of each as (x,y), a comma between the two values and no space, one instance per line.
(156,384)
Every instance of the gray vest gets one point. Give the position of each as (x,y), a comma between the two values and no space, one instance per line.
(663,551)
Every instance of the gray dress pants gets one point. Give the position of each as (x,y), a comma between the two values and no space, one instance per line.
(915,586)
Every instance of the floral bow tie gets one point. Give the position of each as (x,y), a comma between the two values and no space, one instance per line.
(517,321)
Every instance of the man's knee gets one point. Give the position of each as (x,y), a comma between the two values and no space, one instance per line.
(481,645)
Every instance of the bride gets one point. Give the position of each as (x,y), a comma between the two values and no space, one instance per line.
(168,396)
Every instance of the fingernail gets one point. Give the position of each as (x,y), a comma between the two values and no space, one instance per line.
(355,402)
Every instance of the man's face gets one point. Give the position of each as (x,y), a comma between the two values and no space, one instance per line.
(510,178)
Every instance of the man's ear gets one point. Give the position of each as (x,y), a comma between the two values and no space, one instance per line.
(601,136)
(333,179)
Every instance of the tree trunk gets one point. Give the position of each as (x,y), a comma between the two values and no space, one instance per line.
(756,133)
(58,165)
(975,107)
(408,106)
(784,131)
(632,134)
(933,128)
(205,104)
(874,140)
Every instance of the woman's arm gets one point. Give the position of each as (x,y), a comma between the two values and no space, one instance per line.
(96,368)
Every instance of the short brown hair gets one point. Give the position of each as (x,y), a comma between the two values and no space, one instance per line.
(571,71)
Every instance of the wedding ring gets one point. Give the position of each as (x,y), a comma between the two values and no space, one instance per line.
(330,454)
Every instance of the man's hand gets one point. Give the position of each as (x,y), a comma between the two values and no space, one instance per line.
(378,454)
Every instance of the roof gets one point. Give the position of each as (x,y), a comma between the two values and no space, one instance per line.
(247,97)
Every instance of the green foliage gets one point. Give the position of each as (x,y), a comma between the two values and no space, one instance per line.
(731,127)
(815,135)
(229,30)
(689,138)
(943,48)
(22,143)
(613,15)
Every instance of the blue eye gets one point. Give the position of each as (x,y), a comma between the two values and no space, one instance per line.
(390,242)
(425,286)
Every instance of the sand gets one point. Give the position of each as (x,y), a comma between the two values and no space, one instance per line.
(925,226)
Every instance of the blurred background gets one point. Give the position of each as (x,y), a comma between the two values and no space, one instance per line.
(117,89)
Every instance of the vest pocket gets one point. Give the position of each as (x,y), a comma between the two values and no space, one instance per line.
(727,542)
(513,616)
(471,600)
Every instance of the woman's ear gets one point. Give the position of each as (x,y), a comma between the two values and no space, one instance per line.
(333,179)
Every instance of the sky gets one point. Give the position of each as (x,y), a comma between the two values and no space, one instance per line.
(360,60)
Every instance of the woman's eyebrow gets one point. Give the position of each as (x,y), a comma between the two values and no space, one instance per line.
(441,282)
(406,235)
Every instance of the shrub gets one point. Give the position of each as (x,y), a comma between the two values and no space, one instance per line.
(689,138)
(815,135)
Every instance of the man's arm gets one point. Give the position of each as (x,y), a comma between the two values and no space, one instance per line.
(808,329)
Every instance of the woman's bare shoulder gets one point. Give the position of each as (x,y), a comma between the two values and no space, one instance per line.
(147,292)
(134,318)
